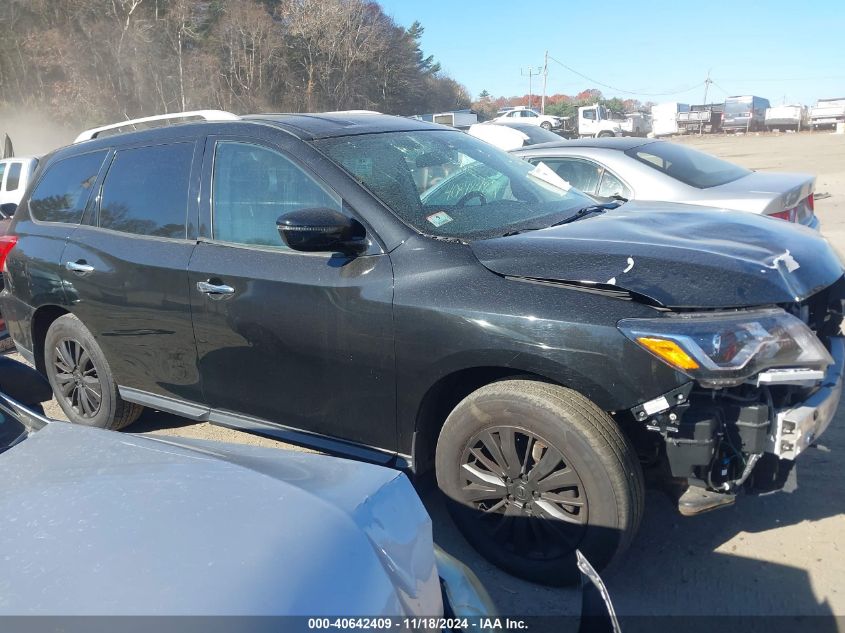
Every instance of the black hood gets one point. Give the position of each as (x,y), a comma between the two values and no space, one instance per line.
(678,256)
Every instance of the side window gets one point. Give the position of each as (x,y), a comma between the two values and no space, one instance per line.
(612,186)
(2,171)
(589,114)
(253,186)
(581,174)
(63,192)
(145,191)
(13,180)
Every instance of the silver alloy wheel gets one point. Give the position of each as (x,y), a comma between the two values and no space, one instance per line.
(526,493)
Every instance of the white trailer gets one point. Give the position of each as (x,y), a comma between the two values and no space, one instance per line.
(460,119)
(664,117)
(786,117)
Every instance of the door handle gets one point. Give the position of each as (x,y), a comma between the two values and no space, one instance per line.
(215,291)
(79,267)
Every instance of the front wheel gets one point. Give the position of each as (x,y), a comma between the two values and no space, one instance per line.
(546,126)
(81,378)
(605,134)
(531,471)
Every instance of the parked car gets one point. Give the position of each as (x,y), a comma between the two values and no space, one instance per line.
(529,116)
(660,170)
(99,523)
(509,136)
(404,293)
(745,114)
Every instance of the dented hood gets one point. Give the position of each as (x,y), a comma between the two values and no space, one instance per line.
(679,256)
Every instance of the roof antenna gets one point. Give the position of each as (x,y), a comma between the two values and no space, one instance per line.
(8,150)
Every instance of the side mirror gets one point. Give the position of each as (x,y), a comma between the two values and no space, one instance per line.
(319,229)
(8,210)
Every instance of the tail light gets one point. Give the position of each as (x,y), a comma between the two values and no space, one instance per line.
(7,243)
(811,202)
(788,215)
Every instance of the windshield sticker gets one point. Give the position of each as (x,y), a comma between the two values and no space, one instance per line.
(547,175)
(440,218)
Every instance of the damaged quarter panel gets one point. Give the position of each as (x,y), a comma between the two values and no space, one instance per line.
(681,257)
(452,314)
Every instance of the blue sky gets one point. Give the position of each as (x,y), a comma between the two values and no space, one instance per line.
(773,49)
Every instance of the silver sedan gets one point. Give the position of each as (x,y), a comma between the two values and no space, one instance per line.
(646,169)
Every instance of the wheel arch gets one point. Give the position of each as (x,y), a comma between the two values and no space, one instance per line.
(42,319)
(449,389)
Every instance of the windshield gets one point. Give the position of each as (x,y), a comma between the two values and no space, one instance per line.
(535,133)
(449,184)
(688,165)
(737,107)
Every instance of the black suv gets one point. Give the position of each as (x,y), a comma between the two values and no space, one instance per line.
(401,292)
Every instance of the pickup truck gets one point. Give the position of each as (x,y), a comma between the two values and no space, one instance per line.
(596,120)
(827,113)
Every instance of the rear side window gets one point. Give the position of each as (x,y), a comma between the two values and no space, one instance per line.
(252,187)
(690,166)
(146,190)
(63,192)
(13,180)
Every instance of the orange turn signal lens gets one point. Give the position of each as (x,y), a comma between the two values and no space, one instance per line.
(669,351)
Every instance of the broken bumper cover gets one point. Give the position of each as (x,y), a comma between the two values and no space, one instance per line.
(463,594)
(798,427)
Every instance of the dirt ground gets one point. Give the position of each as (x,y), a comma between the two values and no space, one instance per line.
(779,554)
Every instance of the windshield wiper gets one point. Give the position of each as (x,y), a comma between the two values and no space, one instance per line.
(593,208)
(580,213)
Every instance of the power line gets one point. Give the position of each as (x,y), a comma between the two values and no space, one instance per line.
(630,92)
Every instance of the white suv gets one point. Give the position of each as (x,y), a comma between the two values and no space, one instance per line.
(527,115)
(15,174)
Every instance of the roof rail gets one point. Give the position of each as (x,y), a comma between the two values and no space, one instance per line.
(207,115)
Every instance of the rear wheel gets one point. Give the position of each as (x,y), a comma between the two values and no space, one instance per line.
(532,471)
(81,378)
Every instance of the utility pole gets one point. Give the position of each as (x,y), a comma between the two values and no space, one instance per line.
(707,83)
(545,78)
(532,70)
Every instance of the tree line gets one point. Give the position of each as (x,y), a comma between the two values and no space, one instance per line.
(557,104)
(88,61)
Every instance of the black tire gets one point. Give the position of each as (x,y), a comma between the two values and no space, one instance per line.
(546,126)
(605,134)
(599,469)
(81,379)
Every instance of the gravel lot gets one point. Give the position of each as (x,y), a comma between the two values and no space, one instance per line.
(780,554)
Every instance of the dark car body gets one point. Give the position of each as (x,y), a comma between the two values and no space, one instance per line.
(380,333)
(365,351)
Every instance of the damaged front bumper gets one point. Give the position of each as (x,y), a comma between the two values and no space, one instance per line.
(720,439)
(797,427)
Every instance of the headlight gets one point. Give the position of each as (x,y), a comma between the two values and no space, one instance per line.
(725,349)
